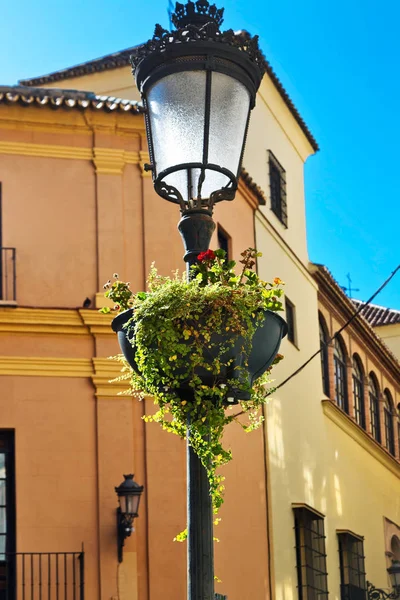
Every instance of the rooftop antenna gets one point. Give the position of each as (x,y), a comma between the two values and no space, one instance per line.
(170,10)
(349,289)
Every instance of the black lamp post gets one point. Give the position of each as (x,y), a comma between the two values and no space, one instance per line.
(380,594)
(128,493)
(198,86)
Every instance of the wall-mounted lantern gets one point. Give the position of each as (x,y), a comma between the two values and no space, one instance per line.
(128,493)
(380,594)
(394,573)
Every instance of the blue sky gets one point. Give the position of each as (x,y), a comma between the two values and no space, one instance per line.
(339,62)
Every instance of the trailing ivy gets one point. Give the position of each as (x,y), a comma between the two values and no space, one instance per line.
(175,331)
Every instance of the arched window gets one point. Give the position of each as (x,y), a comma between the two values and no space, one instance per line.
(374,407)
(388,412)
(339,359)
(323,338)
(358,391)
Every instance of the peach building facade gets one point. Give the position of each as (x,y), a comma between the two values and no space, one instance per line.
(76,207)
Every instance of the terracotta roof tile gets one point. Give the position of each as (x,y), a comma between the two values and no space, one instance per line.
(69,99)
(378,315)
(122,59)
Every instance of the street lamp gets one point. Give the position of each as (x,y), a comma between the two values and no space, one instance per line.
(198,85)
(380,594)
(128,493)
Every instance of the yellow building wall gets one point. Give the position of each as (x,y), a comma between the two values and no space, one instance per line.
(315,455)
(77,207)
(292,412)
(115,82)
(391,336)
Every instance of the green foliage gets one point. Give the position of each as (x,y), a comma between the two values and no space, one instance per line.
(174,326)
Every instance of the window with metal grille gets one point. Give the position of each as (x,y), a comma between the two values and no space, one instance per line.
(374,407)
(352,569)
(358,391)
(277,184)
(323,338)
(224,241)
(291,321)
(389,429)
(310,554)
(339,360)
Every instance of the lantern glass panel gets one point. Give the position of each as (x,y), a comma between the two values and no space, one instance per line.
(394,571)
(177,112)
(230,105)
(176,109)
(129,504)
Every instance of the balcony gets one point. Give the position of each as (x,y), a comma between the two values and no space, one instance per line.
(42,575)
(7,275)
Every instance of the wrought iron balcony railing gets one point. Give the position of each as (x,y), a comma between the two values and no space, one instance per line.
(42,576)
(7,274)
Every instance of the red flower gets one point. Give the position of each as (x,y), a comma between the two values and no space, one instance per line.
(209,255)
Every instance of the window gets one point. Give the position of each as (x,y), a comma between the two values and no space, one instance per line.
(277,184)
(224,241)
(7,513)
(358,391)
(389,429)
(323,339)
(352,569)
(291,321)
(374,407)
(310,554)
(339,360)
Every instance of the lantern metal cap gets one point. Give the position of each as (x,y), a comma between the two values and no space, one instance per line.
(198,33)
(129,486)
(196,13)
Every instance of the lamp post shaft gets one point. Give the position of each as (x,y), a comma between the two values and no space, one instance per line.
(196,228)
(200,552)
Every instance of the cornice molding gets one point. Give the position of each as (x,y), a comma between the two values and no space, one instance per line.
(98,323)
(27,366)
(106,160)
(346,424)
(112,161)
(101,371)
(41,320)
(46,150)
(52,320)
(106,371)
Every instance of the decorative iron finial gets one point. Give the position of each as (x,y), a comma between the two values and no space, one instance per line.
(196,13)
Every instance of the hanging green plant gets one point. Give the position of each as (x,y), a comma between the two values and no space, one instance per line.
(200,346)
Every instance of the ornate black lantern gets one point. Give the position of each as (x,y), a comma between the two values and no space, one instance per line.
(380,594)
(129,493)
(394,573)
(198,86)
